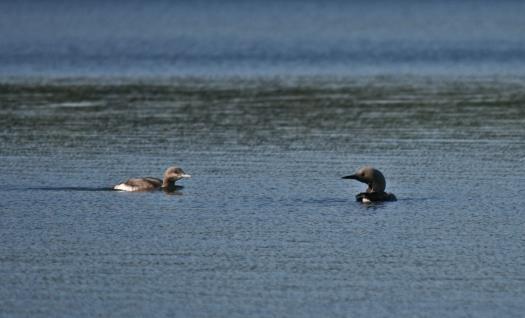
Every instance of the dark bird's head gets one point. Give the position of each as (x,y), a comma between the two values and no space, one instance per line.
(175,173)
(372,177)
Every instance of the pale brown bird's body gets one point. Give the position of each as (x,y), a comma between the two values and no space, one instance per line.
(171,175)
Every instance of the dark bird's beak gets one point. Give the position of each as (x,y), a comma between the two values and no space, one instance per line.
(353,176)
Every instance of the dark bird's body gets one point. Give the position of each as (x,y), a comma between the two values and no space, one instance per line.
(376,186)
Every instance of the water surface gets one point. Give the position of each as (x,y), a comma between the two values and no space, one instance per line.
(263,38)
(266,105)
(265,227)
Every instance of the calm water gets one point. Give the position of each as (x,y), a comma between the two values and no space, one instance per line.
(265,227)
(266,105)
(186,38)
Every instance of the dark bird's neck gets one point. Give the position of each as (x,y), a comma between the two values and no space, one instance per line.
(375,196)
(168,184)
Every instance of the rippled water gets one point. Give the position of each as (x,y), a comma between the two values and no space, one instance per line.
(265,227)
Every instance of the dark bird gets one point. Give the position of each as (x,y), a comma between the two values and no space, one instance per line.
(171,175)
(376,185)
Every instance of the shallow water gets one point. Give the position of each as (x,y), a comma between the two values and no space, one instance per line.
(265,227)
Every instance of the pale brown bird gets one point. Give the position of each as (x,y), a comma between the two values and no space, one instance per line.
(171,175)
